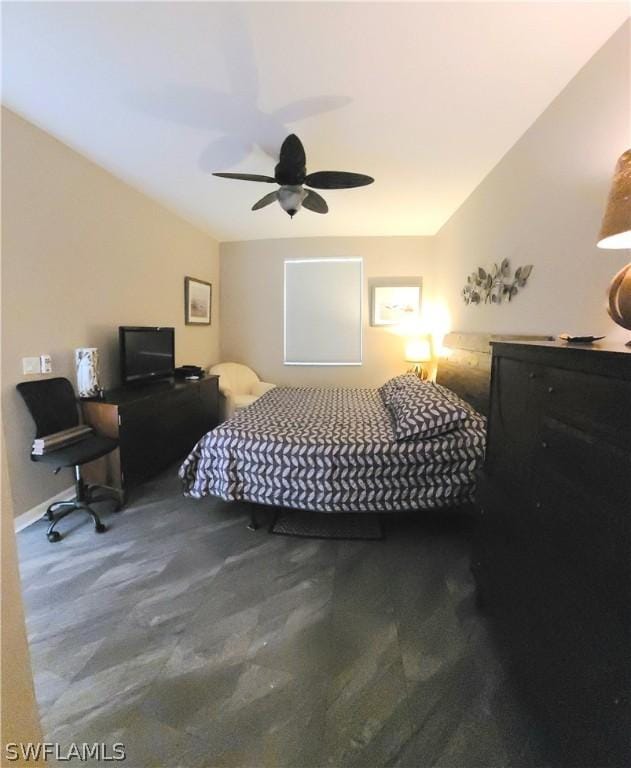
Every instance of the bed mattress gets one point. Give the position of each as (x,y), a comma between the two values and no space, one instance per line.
(333,450)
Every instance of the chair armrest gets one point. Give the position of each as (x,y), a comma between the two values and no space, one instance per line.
(227,406)
(261,387)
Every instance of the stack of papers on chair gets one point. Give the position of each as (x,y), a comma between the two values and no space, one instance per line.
(57,440)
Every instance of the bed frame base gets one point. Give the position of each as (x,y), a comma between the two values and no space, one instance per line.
(253,525)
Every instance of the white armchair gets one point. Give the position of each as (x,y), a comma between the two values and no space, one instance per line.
(239,385)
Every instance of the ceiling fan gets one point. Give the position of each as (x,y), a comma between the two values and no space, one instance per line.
(291,175)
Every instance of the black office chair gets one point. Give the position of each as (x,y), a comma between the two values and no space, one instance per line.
(53,406)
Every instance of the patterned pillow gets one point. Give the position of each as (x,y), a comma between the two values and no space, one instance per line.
(424,412)
(404,381)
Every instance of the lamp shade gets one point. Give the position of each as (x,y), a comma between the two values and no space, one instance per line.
(615,231)
(417,351)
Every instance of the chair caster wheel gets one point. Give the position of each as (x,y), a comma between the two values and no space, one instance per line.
(54,536)
(100,528)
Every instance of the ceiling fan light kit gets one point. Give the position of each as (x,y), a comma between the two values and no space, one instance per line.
(291,198)
(291,175)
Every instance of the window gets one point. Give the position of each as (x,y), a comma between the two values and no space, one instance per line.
(323,311)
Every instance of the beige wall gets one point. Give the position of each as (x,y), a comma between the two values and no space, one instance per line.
(542,204)
(252,304)
(82,253)
(19,718)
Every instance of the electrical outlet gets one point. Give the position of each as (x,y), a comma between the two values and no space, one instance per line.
(30,365)
(45,364)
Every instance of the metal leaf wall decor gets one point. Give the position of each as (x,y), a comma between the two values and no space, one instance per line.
(496,285)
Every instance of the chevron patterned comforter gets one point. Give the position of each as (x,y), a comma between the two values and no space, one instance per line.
(333,450)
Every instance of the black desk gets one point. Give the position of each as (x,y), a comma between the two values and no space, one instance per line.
(156,424)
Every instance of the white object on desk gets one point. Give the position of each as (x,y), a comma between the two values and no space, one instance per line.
(87,363)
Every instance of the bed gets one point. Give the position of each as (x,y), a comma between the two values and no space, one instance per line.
(337,450)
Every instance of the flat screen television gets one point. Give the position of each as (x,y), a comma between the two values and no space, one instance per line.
(146,353)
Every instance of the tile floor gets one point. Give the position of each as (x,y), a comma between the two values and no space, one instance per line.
(198,643)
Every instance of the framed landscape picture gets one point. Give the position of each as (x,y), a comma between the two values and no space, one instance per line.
(197,301)
(393,300)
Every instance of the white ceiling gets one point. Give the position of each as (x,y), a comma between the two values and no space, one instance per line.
(425,97)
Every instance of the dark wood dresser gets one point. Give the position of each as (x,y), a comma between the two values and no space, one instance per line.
(552,550)
(155,424)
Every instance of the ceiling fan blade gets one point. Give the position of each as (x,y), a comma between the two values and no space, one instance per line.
(246,177)
(267,199)
(337,180)
(292,152)
(291,168)
(315,202)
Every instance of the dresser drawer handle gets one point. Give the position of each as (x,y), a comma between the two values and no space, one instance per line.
(544,444)
(532,375)
(550,390)
(537,505)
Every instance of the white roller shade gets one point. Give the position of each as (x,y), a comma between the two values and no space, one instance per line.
(323,311)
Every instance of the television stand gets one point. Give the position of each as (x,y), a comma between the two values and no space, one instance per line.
(156,424)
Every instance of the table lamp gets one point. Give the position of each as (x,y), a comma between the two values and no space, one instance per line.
(417,351)
(615,233)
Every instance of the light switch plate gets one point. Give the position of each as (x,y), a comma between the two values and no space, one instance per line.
(30,365)
(45,364)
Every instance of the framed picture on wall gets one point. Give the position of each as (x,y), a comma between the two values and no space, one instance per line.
(198,296)
(393,300)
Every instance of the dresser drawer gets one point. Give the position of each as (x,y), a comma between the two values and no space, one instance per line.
(513,422)
(575,527)
(596,402)
(602,469)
